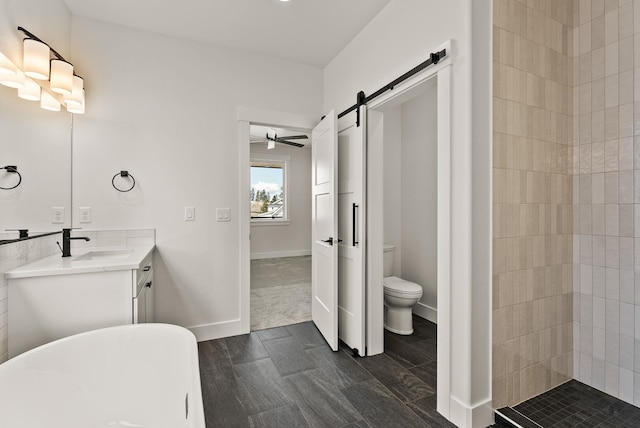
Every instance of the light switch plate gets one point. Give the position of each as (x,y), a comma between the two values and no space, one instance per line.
(189,214)
(222,214)
(85,214)
(57,215)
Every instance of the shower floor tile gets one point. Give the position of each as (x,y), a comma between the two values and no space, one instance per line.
(574,404)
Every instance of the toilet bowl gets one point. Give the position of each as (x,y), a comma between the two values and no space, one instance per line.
(399,297)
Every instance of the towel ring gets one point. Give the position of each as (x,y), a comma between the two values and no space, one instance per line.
(123,174)
(14,169)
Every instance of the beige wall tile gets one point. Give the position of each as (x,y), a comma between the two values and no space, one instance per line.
(533,188)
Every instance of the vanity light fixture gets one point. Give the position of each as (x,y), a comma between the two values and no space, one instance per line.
(61,76)
(30,91)
(15,80)
(77,92)
(76,108)
(35,59)
(43,63)
(48,102)
(7,66)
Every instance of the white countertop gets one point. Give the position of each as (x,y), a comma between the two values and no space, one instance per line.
(57,265)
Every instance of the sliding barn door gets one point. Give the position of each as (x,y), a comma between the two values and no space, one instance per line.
(351,220)
(324,228)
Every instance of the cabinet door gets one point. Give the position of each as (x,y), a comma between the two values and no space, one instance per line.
(143,304)
(140,307)
(149,303)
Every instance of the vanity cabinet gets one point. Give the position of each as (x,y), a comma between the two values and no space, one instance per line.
(49,307)
(143,297)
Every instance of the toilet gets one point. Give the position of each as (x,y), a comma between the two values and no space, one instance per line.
(399,297)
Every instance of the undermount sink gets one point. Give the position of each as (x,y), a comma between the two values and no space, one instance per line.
(104,255)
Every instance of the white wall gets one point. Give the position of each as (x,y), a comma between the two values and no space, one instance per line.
(295,237)
(410,186)
(393,184)
(37,141)
(401,36)
(165,110)
(419,196)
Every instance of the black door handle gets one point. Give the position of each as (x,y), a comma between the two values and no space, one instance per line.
(353,214)
(328,241)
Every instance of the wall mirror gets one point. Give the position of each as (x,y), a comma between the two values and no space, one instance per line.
(38,143)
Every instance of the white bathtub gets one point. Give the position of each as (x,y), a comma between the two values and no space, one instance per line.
(143,375)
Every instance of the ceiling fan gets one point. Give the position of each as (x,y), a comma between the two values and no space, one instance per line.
(272,140)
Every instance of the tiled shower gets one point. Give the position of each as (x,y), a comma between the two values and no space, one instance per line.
(566,297)
(605,171)
(532,197)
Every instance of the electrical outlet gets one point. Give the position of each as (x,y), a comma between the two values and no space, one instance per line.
(57,215)
(85,214)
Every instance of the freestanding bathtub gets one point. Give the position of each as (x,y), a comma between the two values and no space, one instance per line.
(143,375)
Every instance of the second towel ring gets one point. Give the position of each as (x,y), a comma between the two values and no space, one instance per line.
(123,174)
(13,169)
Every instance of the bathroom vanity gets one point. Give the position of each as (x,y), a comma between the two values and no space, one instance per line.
(98,287)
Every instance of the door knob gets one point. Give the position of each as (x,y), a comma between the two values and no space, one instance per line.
(328,241)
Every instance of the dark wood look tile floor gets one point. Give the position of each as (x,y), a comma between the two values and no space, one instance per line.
(574,404)
(289,377)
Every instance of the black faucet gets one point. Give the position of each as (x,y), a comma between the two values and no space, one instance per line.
(66,242)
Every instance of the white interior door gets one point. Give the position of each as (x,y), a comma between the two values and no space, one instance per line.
(324,228)
(351,220)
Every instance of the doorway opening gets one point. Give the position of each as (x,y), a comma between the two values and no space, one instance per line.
(409,208)
(280,227)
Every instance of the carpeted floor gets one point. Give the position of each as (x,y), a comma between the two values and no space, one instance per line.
(280,292)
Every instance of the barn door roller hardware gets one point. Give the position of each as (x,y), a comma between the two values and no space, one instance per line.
(361,99)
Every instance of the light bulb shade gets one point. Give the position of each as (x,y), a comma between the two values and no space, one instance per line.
(7,66)
(48,102)
(13,80)
(76,108)
(36,59)
(77,93)
(271,145)
(30,91)
(61,76)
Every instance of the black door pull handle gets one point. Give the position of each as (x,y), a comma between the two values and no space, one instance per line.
(328,241)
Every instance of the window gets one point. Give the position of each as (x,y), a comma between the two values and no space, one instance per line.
(268,189)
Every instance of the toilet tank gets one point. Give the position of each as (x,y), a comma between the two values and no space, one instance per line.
(389,257)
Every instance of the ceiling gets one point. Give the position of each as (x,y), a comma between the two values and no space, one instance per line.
(310,32)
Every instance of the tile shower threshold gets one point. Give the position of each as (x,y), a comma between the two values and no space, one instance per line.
(508,417)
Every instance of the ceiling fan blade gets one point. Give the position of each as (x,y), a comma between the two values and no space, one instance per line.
(292,137)
(291,143)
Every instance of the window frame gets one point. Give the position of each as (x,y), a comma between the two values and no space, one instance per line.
(285,161)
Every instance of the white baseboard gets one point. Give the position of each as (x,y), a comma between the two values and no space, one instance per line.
(217,330)
(277,254)
(426,312)
(479,415)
